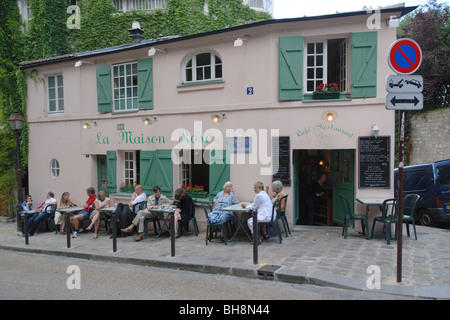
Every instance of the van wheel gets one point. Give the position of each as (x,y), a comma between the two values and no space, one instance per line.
(425,218)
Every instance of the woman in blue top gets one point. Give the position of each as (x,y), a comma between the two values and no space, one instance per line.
(27,205)
(223,199)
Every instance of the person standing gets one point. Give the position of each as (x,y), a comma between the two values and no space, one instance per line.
(316,191)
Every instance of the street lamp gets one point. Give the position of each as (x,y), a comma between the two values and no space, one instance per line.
(16,123)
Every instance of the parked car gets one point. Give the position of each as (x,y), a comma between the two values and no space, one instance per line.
(432,182)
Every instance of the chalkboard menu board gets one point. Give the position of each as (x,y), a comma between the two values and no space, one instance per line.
(281,155)
(374,162)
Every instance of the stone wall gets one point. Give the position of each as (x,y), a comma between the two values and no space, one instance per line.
(430,137)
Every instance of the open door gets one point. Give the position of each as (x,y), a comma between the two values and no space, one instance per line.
(343,181)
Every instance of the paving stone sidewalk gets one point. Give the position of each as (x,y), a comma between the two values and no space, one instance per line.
(315,255)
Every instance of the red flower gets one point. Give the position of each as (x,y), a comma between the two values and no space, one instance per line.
(202,187)
(183,186)
(190,187)
(126,183)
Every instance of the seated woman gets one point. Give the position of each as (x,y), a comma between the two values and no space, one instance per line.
(276,193)
(77,219)
(224,198)
(155,200)
(262,204)
(101,202)
(63,203)
(184,203)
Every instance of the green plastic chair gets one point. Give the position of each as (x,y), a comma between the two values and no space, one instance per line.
(273,222)
(191,218)
(281,215)
(350,216)
(409,206)
(386,219)
(210,225)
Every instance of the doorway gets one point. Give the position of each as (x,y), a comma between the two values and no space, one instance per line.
(338,166)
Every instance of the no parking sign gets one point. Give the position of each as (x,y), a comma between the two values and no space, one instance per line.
(405,56)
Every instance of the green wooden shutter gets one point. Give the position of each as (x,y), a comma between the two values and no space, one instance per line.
(364,65)
(290,72)
(111,181)
(104,93)
(145,83)
(156,169)
(219,170)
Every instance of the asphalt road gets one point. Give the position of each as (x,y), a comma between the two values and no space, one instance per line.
(34,276)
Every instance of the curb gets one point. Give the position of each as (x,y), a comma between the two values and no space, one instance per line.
(317,278)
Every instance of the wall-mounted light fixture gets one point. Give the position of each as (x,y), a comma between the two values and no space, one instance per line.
(87,124)
(239,42)
(375,130)
(152,51)
(149,120)
(79,63)
(393,22)
(218,116)
(329,115)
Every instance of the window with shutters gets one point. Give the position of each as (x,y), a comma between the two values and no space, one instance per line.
(305,64)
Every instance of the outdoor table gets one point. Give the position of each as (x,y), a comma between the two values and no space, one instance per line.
(26,214)
(237,208)
(163,210)
(370,202)
(68,212)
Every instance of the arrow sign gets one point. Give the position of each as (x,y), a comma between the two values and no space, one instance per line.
(405,101)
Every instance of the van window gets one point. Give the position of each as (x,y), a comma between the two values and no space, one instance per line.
(442,173)
(415,180)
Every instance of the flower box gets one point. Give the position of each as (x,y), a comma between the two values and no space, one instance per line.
(126,189)
(326,95)
(197,195)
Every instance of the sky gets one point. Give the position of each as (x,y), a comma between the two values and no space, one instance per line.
(299,8)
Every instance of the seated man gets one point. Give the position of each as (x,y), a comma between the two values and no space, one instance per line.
(124,213)
(76,219)
(154,201)
(34,221)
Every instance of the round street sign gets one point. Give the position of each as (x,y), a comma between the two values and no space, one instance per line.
(405,56)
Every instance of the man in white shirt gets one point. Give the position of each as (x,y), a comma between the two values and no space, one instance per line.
(262,204)
(124,213)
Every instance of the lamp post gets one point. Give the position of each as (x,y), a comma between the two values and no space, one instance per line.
(16,123)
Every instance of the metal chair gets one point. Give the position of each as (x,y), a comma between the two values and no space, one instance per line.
(273,222)
(191,218)
(349,215)
(281,215)
(386,219)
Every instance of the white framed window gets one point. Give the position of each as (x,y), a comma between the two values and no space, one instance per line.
(54,168)
(127,5)
(130,167)
(326,62)
(125,87)
(203,66)
(55,93)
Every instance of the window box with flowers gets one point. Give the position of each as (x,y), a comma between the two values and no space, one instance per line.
(128,187)
(326,91)
(195,191)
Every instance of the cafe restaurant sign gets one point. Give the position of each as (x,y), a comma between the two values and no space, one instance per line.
(320,129)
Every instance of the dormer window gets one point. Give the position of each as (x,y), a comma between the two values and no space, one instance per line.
(203,67)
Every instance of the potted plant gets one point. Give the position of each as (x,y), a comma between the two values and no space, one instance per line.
(327,91)
(195,191)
